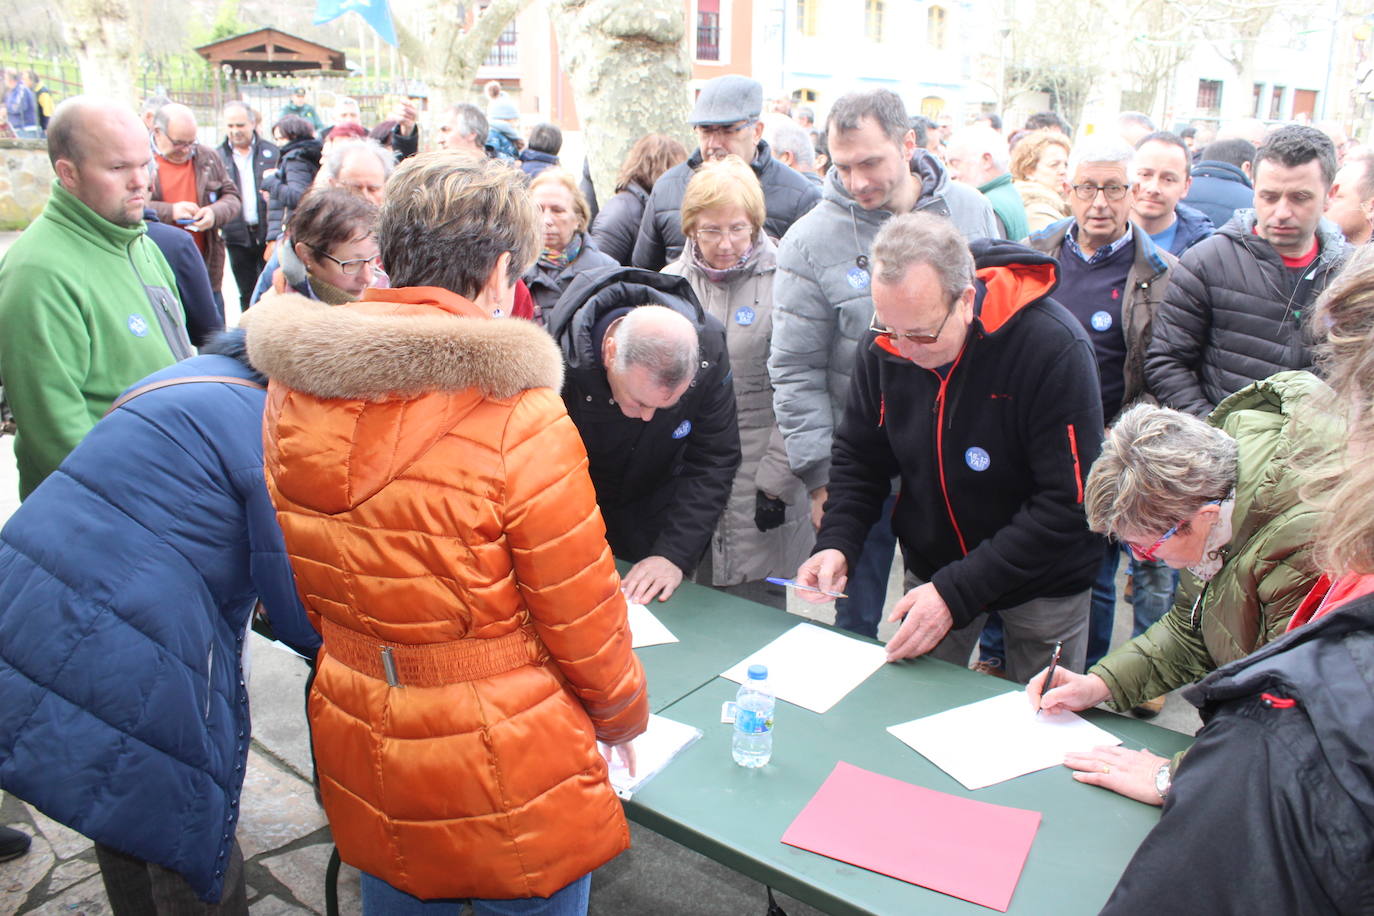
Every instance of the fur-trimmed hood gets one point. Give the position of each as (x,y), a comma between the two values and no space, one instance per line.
(371,352)
(372,386)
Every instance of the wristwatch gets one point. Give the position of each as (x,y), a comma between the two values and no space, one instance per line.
(1163,780)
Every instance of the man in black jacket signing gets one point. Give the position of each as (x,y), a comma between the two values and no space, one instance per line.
(649,387)
(982,394)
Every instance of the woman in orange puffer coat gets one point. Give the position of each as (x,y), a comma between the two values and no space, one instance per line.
(446,541)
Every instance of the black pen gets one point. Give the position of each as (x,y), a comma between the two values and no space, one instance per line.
(1049,675)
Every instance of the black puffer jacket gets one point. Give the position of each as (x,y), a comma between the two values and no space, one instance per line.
(546,282)
(617,225)
(300,161)
(661,484)
(786,196)
(1219,189)
(1233,315)
(1270,812)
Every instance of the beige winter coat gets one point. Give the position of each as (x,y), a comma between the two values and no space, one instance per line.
(1043,206)
(744,304)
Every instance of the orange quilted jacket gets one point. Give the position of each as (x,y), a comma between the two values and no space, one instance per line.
(445,538)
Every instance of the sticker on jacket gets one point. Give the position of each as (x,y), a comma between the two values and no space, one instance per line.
(138,325)
(744,316)
(977,459)
(857,277)
(683,429)
(1101,321)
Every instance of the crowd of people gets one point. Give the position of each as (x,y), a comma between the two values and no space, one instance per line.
(462,387)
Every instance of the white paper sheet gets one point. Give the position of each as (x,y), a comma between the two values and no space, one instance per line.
(813,667)
(655,749)
(999,738)
(646,629)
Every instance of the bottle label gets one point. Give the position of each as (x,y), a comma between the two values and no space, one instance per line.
(752,722)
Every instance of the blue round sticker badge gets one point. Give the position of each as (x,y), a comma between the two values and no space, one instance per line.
(683,429)
(977,458)
(138,325)
(1101,321)
(744,316)
(857,277)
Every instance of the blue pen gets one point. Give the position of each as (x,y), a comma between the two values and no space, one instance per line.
(793,583)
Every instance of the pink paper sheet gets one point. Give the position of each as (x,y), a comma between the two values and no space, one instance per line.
(964,848)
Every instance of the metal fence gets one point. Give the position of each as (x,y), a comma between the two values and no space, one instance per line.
(205,89)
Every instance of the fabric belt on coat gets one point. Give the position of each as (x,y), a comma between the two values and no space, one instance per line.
(435,664)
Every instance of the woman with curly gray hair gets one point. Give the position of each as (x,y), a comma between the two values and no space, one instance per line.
(1220,500)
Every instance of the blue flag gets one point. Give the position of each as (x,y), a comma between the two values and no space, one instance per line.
(374,12)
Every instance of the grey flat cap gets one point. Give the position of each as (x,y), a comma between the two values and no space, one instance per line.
(727,99)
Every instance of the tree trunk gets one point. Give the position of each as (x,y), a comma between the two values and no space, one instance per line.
(101,34)
(1240,103)
(449,56)
(628,66)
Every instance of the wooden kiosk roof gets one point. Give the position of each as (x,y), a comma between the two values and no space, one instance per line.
(271,51)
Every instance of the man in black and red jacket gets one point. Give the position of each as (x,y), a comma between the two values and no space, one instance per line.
(981,393)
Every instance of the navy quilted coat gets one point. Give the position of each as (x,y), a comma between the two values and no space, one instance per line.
(126,584)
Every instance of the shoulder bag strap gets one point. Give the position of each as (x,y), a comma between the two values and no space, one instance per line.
(169,382)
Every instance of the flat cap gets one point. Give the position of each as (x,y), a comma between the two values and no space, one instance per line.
(728,99)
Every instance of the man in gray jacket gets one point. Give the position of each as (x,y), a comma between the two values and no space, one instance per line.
(823,302)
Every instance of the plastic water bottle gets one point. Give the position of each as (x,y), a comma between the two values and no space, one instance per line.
(752,744)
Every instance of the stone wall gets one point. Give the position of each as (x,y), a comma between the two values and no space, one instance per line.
(25,180)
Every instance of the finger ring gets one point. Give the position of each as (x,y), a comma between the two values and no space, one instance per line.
(1106,769)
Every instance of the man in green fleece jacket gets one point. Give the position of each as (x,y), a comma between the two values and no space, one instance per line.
(87,302)
(978,156)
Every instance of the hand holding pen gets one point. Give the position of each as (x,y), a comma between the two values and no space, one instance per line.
(1058,689)
(1049,674)
(793,583)
(822,578)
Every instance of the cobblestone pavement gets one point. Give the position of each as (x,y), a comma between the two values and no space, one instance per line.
(285,842)
(282,830)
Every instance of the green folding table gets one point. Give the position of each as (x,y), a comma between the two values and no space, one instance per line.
(737,816)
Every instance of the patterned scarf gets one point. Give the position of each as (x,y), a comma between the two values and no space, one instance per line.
(716,275)
(561,259)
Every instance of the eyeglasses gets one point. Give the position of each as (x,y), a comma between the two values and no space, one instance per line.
(722,130)
(912,336)
(714,235)
(1113,192)
(1148,554)
(354,266)
(177,144)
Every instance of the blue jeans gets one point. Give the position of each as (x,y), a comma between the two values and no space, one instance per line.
(1102,614)
(381,899)
(1152,593)
(992,645)
(862,611)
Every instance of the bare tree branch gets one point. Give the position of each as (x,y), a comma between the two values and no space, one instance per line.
(451,54)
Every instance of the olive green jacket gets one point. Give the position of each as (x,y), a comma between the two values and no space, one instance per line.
(1270,564)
